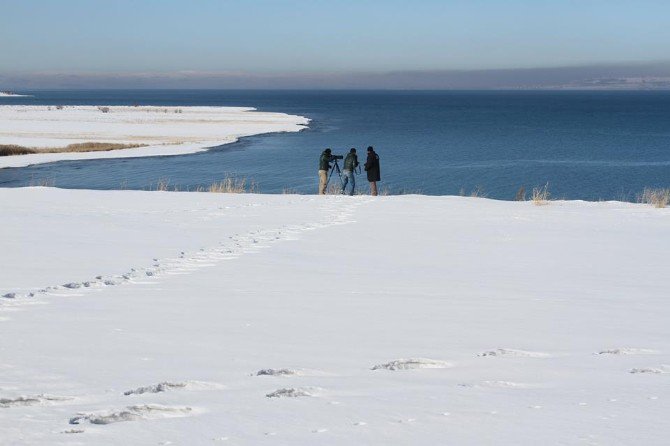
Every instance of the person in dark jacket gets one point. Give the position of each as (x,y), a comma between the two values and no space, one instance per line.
(324,166)
(350,164)
(372,169)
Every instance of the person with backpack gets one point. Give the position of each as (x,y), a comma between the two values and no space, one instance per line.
(372,169)
(350,164)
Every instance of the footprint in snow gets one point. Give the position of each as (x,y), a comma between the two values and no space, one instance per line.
(32,400)
(628,351)
(502,385)
(508,352)
(653,370)
(412,363)
(291,392)
(73,431)
(133,413)
(276,372)
(165,386)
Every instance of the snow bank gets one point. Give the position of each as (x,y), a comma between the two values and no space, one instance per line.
(163,130)
(5,94)
(263,316)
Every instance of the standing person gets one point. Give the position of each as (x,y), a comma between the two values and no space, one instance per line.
(372,168)
(350,163)
(324,166)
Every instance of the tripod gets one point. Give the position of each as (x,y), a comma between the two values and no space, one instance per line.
(336,167)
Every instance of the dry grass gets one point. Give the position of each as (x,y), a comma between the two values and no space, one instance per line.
(659,198)
(228,185)
(11,149)
(290,191)
(541,195)
(477,192)
(334,188)
(520,194)
(163,185)
(383,191)
(44,182)
(231,185)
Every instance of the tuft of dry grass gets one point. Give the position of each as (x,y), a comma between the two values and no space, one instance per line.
(334,188)
(290,191)
(383,191)
(520,194)
(11,149)
(231,185)
(541,195)
(44,182)
(477,192)
(659,198)
(163,184)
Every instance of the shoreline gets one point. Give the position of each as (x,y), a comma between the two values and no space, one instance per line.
(185,130)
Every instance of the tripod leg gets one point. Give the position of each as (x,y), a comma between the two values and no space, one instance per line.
(330,174)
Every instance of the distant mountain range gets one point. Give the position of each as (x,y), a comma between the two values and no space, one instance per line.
(614,83)
(630,76)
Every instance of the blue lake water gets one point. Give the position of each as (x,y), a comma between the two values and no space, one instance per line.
(586,145)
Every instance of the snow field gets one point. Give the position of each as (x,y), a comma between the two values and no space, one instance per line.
(161,130)
(331,320)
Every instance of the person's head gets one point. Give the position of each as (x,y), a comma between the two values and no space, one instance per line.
(353,150)
(327,151)
(370,149)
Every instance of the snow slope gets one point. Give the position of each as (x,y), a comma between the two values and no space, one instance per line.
(163,130)
(331,320)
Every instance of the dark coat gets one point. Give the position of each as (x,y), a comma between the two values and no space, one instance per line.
(372,167)
(324,160)
(351,161)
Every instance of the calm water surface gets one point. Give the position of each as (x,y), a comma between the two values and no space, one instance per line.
(586,145)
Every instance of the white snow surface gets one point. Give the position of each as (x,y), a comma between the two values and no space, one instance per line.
(4,94)
(176,301)
(161,130)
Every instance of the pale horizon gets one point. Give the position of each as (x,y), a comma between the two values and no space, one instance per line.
(602,76)
(337,45)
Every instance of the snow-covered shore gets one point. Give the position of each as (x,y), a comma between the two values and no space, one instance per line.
(162,130)
(5,94)
(197,318)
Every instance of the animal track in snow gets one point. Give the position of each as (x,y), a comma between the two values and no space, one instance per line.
(508,352)
(291,392)
(628,351)
(165,386)
(185,262)
(412,363)
(73,431)
(276,372)
(133,413)
(32,400)
(502,385)
(653,370)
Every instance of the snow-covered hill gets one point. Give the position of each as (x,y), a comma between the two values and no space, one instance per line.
(198,318)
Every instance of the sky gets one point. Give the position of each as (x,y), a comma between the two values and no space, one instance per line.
(321,40)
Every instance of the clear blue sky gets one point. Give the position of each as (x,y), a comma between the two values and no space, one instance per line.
(269,36)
